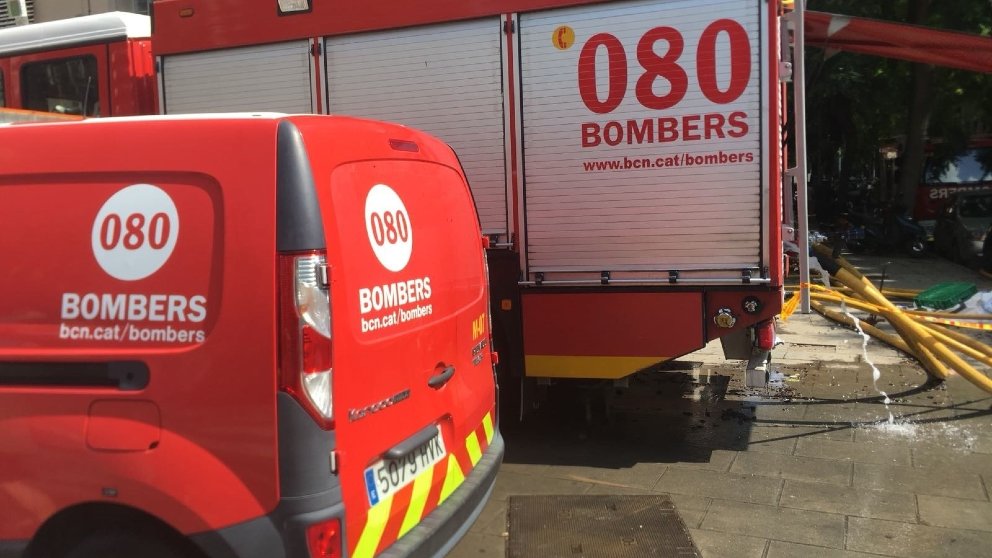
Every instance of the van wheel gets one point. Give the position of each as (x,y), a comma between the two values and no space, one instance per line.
(118,543)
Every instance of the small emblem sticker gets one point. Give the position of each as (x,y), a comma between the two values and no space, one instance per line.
(563,37)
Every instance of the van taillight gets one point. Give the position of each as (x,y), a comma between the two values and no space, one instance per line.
(305,333)
(324,539)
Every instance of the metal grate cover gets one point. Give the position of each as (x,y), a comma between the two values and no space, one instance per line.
(596,527)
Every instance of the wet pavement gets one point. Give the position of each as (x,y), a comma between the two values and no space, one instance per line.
(812,465)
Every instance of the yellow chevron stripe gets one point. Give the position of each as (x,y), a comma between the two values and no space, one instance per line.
(421,488)
(375,525)
(472,445)
(487,424)
(452,480)
(378,515)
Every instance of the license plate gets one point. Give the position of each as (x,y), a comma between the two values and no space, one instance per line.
(387,476)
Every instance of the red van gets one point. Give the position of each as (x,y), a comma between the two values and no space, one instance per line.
(238,336)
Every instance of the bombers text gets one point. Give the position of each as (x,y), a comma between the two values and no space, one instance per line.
(392,295)
(134,307)
(691,127)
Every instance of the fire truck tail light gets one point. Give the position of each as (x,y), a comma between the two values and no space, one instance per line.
(324,539)
(306,353)
(765,335)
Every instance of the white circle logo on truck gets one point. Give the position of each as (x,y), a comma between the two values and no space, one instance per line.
(135,231)
(388,226)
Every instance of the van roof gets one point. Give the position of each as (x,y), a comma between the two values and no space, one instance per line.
(177,117)
(75,120)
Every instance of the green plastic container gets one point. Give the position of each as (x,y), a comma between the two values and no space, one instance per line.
(945,295)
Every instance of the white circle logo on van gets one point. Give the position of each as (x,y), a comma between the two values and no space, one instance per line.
(135,231)
(388,226)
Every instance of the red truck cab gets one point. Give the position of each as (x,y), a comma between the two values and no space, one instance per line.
(945,175)
(240,335)
(95,65)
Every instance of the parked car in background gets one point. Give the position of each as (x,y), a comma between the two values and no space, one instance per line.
(962,224)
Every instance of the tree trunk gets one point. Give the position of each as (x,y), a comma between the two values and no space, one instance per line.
(916,135)
(919,118)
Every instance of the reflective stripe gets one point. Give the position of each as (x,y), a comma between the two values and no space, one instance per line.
(421,488)
(374,527)
(487,423)
(472,445)
(452,480)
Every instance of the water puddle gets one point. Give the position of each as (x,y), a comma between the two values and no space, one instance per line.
(776,379)
(949,436)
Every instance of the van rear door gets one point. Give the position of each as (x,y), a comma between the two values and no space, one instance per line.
(413,381)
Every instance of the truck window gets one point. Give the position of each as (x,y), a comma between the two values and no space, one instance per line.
(973,165)
(66,85)
(3,96)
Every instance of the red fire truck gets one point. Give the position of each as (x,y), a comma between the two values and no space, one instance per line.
(625,157)
(98,65)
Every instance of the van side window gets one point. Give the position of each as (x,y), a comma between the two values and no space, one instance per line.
(3,96)
(66,85)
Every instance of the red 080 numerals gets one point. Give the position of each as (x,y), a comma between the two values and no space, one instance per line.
(132,231)
(390,227)
(666,66)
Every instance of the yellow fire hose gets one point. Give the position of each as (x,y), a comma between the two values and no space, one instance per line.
(887,338)
(922,353)
(975,349)
(962,338)
(931,344)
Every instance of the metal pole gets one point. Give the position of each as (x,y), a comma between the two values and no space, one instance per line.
(799,100)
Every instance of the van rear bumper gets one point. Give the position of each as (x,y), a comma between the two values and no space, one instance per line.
(282,533)
(441,530)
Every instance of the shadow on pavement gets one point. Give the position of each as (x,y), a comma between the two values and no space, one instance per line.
(676,413)
(681,412)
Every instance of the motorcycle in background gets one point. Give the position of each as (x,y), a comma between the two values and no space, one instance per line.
(888,230)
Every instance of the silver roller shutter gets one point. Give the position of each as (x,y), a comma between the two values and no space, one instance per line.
(638,205)
(444,79)
(270,78)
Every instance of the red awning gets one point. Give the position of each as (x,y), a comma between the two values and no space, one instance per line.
(898,40)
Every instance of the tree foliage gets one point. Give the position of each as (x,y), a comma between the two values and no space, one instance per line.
(856,104)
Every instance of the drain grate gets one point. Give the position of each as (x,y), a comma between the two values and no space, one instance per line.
(596,527)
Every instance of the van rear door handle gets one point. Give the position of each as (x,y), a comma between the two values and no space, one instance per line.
(439,380)
(404,448)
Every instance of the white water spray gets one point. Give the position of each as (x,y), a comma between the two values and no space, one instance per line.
(875,373)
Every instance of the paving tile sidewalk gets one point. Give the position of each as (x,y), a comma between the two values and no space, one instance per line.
(811,468)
